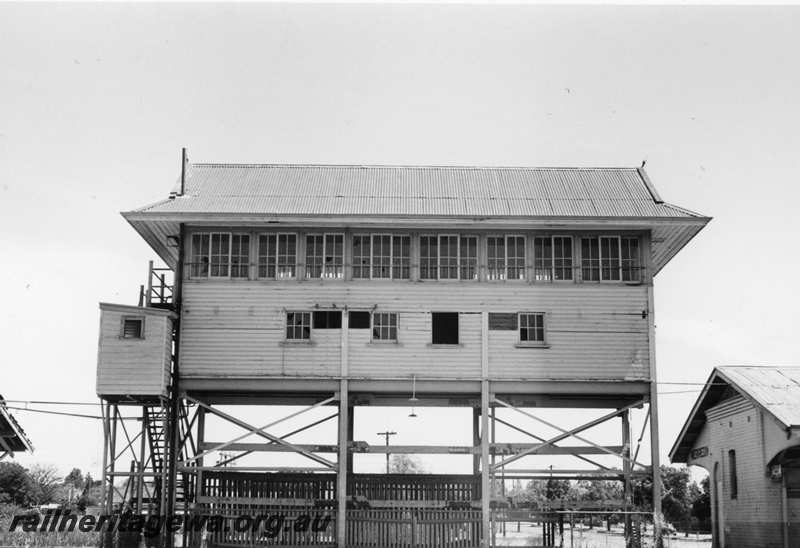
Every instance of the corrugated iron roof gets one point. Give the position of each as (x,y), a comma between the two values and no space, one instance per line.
(294,190)
(776,389)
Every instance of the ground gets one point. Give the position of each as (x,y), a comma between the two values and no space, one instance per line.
(583,537)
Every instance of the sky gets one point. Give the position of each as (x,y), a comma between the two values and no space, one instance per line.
(97,100)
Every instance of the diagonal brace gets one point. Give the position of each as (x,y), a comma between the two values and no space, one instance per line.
(260,432)
(565,433)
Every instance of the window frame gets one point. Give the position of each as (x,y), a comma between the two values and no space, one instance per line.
(396,326)
(524,267)
(131,317)
(458,342)
(553,268)
(532,343)
(193,254)
(322,275)
(277,255)
(733,474)
(300,340)
(619,268)
(393,258)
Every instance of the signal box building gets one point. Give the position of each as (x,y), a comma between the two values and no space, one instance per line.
(744,430)
(356,286)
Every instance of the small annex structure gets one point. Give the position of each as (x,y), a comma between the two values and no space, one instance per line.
(12,437)
(342,288)
(744,430)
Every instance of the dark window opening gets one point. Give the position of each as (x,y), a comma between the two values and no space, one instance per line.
(359,320)
(732,469)
(328,319)
(132,328)
(445,327)
(503,321)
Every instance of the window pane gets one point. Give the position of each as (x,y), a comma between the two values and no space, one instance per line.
(590,259)
(531,327)
(516,257)
(287,255)
(631,266)
(298,325)
(562,258)
(220,255)
(267,249)
(469,258)
(401,257)
(200,258)
(542,259)
(240,256)
(384,326)
(381,256)
(314,253)
(496,255)
(334,256)
(448,257)
(609,258)
(361,264)
(428,257)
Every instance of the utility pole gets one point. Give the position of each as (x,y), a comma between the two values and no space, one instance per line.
(386,435)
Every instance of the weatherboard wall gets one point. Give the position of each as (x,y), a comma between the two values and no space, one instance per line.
(236,328)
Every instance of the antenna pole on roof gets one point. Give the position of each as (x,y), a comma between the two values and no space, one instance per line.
(183,169)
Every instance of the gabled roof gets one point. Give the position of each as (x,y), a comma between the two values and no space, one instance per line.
(12,436)
(776,390)
(537,197)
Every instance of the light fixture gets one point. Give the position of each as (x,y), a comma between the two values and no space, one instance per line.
(173,241)
(413,399)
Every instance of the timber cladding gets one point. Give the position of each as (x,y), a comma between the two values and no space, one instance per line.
(239,329)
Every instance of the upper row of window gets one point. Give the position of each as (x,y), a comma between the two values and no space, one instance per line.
(440,257)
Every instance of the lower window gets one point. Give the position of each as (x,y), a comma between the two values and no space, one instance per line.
(384,326)
(531,328)
(444,327)
(298,326)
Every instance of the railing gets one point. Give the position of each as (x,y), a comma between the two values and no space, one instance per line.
(414,528)
(159,292)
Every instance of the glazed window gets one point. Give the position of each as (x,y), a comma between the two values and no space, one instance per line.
(384,326)
(277,256)
(325,256)
(531,328)
(240,255)
(468,262)
(220,255)
(298,326)
(505,257)
(552,258)
(428,257)
(631,262)
(381,256)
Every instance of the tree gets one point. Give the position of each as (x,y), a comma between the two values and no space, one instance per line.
(16,486)
(556,489)
(75,478)
(405,464)
(46,483)
(701,507)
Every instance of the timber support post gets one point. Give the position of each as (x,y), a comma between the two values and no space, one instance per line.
(341,474)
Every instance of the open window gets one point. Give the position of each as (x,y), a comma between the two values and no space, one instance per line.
(328,319)
(444,327)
